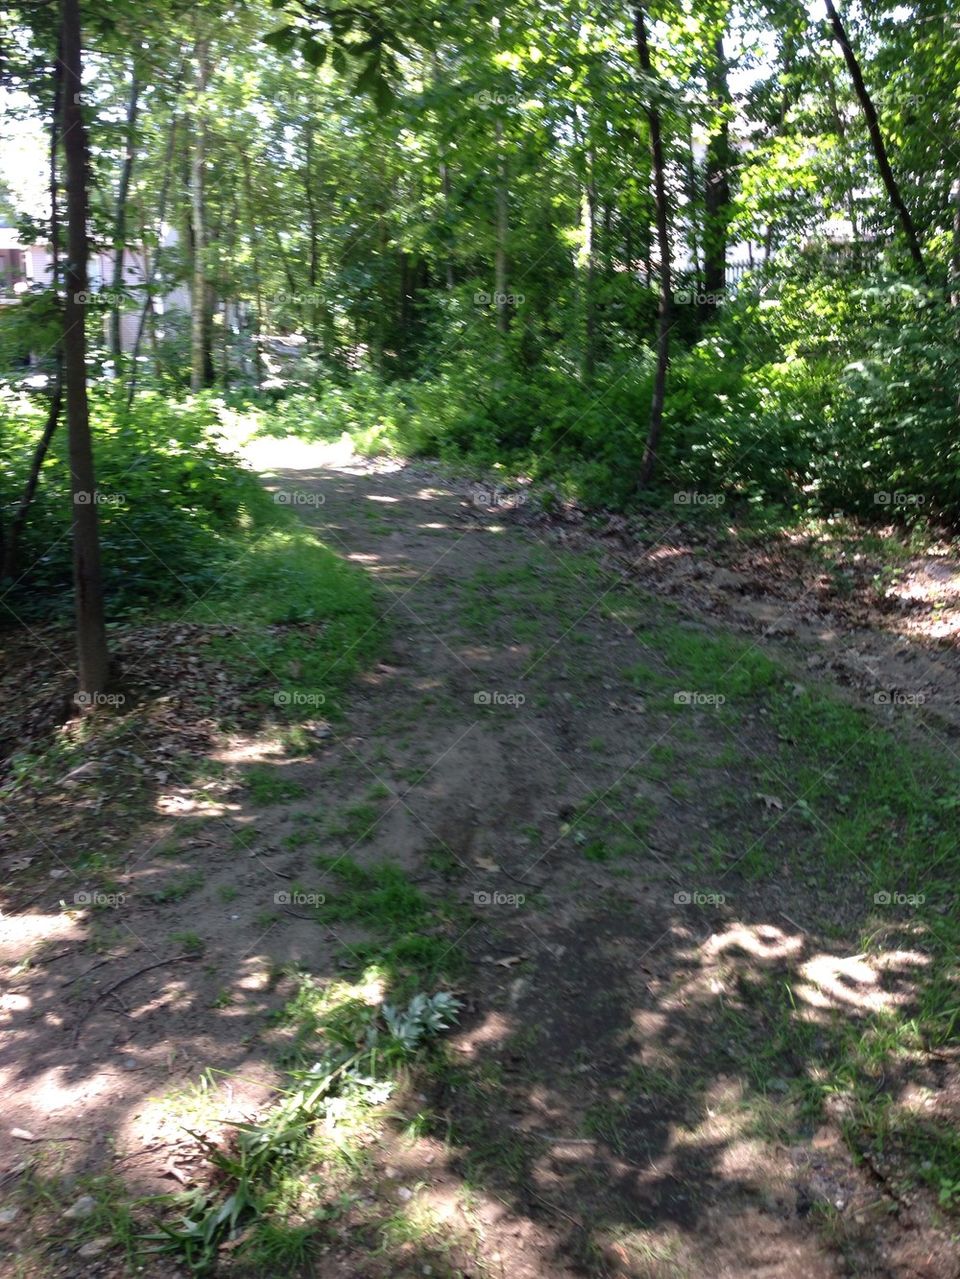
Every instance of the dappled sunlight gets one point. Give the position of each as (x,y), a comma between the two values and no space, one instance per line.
(251,750)
(20,933)
(855,984)
(193,802)
(493,1029)
(764,942)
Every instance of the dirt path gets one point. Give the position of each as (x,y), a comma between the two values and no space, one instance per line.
(619,1099)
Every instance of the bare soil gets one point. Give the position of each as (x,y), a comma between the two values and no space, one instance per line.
(603,1118)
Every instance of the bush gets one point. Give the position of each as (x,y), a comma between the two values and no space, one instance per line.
(169,494)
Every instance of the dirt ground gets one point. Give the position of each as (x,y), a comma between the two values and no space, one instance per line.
(606,1119)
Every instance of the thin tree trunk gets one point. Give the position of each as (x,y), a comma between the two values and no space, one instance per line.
(120,219)
(693,200)
(502,199)
(716,194)
(445,188)
(590,255)
(311,316)
(151,271)
(842,135)
(11,542)
(665,308)
(11,545)
(876,137)
(955,246)
(257,282)
(199,301)
(92,656)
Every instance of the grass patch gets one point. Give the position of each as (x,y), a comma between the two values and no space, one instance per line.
(413,939)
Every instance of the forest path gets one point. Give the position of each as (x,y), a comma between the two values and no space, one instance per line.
(636,865)
(604,822)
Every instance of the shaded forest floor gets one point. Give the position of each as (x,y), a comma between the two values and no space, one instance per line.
(633,798)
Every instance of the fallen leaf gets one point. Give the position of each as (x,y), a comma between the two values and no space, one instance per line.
(509,961)
(770,801)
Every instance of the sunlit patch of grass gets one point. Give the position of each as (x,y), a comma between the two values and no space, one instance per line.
(298,607)
(412,938)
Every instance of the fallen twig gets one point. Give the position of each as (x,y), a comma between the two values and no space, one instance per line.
(161,963)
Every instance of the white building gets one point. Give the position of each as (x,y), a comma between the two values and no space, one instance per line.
(27,266)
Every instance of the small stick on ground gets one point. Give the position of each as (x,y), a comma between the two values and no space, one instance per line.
(161,963)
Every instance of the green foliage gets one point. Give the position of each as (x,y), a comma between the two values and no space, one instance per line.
(255,1170)
(169,499)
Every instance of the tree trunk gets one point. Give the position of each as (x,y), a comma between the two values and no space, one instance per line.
(257,279)
(309,313)
(502,231)
(955,245)
(92,656)
(665,308)
(716,194)
(120,220)
(445,188)
(151,270)
(590,256)
(199,301)
(11,543)
(876,137)
(845,151)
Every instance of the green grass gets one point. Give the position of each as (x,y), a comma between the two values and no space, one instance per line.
(176,889)
(412,938)
(266,785)
(307,621)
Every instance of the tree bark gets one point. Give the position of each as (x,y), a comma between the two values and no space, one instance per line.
(588,366)
(716,194)
(502,200)
(876,137)
(92,656)
(257,279)
(11,542)
(200,361)
(150,269)
(120,219)
(665,307)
